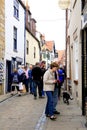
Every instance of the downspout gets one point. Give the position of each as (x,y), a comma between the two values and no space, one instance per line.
(25,37)
(66,19)
(83,96)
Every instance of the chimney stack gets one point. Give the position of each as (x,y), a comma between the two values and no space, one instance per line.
(26,4)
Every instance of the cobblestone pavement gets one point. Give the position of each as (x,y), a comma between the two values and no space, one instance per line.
(25,113)
(21,113)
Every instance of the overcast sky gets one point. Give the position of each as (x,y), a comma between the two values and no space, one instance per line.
(50,20)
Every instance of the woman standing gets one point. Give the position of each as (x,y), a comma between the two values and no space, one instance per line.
(15,82)
(49,84)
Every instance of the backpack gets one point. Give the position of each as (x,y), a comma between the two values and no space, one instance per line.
(22,77)
(15,78)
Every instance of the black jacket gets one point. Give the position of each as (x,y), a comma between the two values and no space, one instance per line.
(37,73)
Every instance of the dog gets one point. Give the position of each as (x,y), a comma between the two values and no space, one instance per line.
(66,97)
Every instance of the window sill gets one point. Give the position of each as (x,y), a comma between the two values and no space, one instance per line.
(15,51)
(76,82)
(68,78)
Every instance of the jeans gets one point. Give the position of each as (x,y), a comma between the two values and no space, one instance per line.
(55,98)
(43,93)
(26,85)
(31,85)
(49,105)
(35,85)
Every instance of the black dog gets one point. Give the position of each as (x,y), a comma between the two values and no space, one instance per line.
(66,97)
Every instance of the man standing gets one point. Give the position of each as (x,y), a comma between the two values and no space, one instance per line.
(30,79)
(61,76)
(37,75)
(43,68)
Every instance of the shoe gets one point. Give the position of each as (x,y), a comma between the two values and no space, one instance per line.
(56,112)
(31,93)
(19,95)
(41,97)
(35,97)
(47,115)
(53,117)
(12,94)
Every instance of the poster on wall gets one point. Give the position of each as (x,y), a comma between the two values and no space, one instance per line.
(1,72)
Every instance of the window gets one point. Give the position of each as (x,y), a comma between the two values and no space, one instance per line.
(34,52)
(15,39)
(27,47)
(16,9)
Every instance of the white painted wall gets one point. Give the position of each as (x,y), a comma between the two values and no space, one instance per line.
(75,23)
(10,22)
(32,43)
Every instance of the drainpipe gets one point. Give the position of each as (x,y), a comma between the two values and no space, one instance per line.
(66,18)
(25,37)
(83,90)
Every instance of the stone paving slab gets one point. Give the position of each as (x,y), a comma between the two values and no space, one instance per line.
(25,113)
(70,118)
(4,97)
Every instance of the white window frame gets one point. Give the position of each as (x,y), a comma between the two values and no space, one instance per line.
(15,39)
(16,9)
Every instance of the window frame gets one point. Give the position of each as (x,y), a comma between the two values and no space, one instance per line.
(27,47)
(15,39)
(34,52)
(16,9)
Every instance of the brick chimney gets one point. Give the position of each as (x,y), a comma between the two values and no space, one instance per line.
(26,4)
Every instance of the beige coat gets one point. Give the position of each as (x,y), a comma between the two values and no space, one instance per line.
(48,80)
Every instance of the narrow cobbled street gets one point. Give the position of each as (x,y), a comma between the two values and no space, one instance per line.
(25,113)
(21,113)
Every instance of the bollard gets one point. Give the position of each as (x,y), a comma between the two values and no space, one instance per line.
(86,110)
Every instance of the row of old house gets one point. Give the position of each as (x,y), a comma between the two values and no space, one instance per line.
(76,50)
(19,41)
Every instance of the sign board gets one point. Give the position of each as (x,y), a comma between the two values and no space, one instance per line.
(1,72)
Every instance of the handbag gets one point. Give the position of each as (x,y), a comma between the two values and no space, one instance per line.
(20,86)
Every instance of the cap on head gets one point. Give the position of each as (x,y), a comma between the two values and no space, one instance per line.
(19,66)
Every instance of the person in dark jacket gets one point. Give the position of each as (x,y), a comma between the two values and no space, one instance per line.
(55,95)
(43,68)
(30,79)
(15,82)
(37,75)
(61,77)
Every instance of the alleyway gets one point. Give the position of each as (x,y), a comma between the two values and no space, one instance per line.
(25,113)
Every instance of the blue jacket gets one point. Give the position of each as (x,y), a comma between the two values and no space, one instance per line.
(61,75)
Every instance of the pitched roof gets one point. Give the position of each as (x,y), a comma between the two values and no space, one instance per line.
(48,45)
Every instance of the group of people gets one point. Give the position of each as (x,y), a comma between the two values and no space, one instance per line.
(48,82)
(31,78)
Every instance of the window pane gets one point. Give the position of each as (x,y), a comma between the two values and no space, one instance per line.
(16,8)
(15,39)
